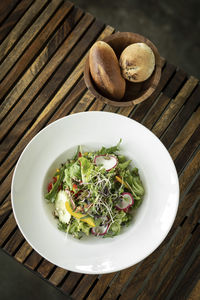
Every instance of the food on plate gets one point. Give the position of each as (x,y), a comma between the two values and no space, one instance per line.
(95,193)
(105,70)
(137,62)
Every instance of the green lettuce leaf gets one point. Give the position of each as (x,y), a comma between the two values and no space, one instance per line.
(77,228)
(135,183)
(72,171)
(124,165)
(120,219)
(86,169)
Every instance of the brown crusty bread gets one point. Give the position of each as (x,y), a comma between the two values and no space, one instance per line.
(105,71)
(137,62)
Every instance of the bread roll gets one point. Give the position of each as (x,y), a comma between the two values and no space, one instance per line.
(137,62)
(105,71)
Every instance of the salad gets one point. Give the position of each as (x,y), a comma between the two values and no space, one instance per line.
(95,193)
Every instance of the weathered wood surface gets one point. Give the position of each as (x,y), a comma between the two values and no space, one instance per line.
(42,54)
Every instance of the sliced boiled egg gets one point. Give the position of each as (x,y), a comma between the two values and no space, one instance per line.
(60,208)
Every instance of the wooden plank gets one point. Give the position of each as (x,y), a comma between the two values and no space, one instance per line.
(188,281)
(47,71)
(149,262)
(144,107)
(14,242)
(5,186)
(5,209)
(97,105)
(195,292)
(57,276)
(179,265)
(33,260)
(52,45)
(34,48)
(178,122)
(84,102)
(69,102)
(110,108)
(101,286)
(40,81)
(115,289)
(172,253)
(70,283)
(19,30)
(7,229)
(167,94)
(6,6)
(187,150)
(185,134)
(186,203)
(23,252)
(84,286)
(189,173)
(45,268)
(126,111)
(13,18)
(32,71)
(174,106)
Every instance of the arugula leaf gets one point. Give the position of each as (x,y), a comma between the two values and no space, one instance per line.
(110,150)
(121,158)
(62,226)
(79,150)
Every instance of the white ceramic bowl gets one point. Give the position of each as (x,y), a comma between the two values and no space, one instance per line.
(57,142)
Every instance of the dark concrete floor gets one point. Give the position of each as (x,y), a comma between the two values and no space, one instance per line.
(174,27)
(18,283)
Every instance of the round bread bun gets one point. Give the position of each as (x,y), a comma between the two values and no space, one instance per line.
(137,62)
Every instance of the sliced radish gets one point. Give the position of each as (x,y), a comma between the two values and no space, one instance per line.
(107,161)
(100,230)
(125,201)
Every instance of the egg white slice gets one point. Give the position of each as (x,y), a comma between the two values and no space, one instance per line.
(60,209)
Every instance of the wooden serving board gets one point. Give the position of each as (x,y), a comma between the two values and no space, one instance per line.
(42,55)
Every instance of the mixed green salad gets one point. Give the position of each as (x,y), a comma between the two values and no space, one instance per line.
(95,193)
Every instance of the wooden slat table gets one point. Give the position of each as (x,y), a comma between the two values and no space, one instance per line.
(42,55)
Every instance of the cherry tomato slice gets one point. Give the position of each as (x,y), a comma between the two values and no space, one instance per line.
(54,179)
(50,186)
